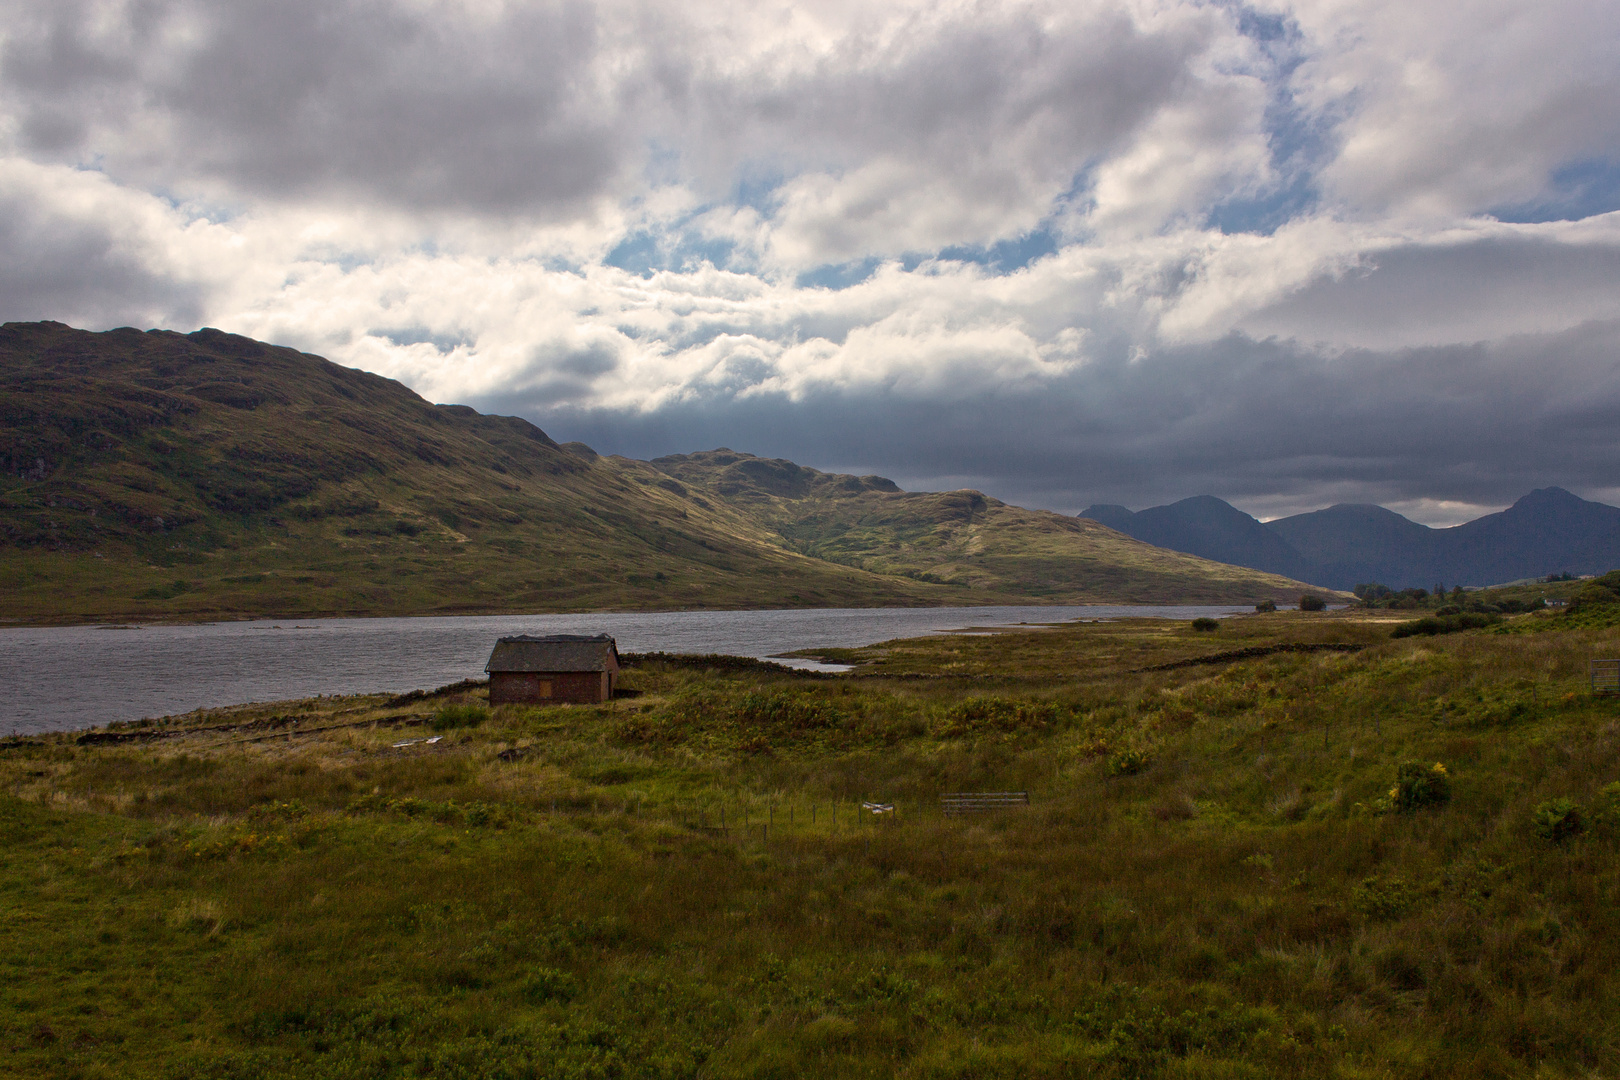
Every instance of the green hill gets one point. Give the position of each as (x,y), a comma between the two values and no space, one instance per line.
(203,475)
(963,539)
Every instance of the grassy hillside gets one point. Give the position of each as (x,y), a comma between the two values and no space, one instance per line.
(205,475)
(201,475)
(1239,860)
(962,538)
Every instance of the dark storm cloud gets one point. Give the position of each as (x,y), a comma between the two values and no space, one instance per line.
(1466,288)
(1240,419)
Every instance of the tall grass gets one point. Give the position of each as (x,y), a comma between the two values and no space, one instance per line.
(1250,901)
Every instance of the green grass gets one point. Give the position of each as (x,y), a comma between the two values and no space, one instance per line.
(1213,878)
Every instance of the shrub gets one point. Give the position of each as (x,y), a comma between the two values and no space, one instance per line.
(1128,762)
(1418,785)
(785,708)
(1204,624)
(1312,602)
(1266,605)
(1558,819)
(1599,593)
(1607,815)
(1383,899)
(458,716)
(976,714)
(1444,624)
(548,984)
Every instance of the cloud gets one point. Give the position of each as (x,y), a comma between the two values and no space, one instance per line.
(1458,109)
(77,248)
(1275,427)
(1122,250)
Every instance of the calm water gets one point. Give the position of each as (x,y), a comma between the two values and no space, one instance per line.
(59,678)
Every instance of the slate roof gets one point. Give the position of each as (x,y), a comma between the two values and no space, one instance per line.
(554,653)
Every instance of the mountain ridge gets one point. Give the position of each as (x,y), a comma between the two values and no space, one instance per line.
(1549,530)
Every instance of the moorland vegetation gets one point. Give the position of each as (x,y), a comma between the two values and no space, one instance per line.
(1290,846)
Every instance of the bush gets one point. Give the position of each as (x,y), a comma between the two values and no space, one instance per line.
(1204,624)
(549,984)
(1418,785)
(458,716)
(1607,815)
(1128,762)
(1444,624)
(1312,602)
(1599,593)
(1558,819)
(1266,605)
(976,714)
(1383,899)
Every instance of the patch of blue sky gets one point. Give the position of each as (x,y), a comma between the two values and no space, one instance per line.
(638,253)
(836,276)
(419,335)
(1265,213)
(645,254)
(1002,257)
(195,208)
(756,187)
(1278,34)
(1299,141)
(1577,190)
(1007,256)
(348,261)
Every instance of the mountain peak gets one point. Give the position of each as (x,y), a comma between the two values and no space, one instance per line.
(1550,496)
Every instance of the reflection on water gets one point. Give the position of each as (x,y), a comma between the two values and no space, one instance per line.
(58,678)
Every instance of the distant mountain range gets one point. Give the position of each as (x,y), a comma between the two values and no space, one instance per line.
(1548,531)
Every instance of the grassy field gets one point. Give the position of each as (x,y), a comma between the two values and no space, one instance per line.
(1223,871)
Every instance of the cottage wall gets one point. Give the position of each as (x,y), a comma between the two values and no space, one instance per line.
(549,688)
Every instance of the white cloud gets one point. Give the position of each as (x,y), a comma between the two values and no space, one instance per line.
(1454,108)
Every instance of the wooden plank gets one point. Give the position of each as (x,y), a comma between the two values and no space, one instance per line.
(973,802)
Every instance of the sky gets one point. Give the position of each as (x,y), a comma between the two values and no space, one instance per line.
(1288,254)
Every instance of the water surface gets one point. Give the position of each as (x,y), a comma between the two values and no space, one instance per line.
(60,678)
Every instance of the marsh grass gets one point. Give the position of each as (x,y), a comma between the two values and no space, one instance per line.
(333,905)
